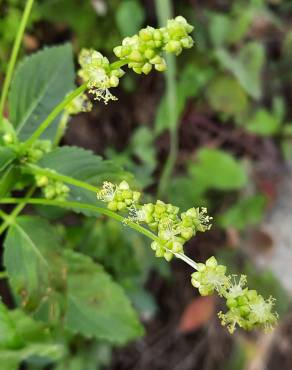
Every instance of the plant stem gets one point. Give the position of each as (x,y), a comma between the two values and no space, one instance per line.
(57,176)
(55,112)
(61,129)
(14,55)
(119,64)
(10,218)
(164,12)
(104,211)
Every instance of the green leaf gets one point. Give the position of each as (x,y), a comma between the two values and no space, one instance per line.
(97,306)
(83,165)
(246,66)
(185,190)
(129,17)
(219,170)
(22,338)
(192,79)
(225,95)
(9,339)
(246,212)
(7,155)
(40,83)
(8,179)
(27,245)
(219,28)
(263,123)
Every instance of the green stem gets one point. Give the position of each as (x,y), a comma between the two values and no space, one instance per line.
(61,129)
(100,210)
(14,55)
(119,63)
(55,112)
(10,218)
(57,176)
(3,215)
(164,12)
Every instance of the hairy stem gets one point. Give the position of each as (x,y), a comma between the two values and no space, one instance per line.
(14,55)
(55,112)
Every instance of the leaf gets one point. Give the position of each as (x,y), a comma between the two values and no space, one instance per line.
(40,83)
(246,212)
(9,338)
(246,66)
(192,79)
(97,306)
(24,338)
(263,123)
(197,313)
(225,95)
(129,17)
(8,179)
(27,245)
(83,165)
(219,170)
(219,28)
(7,155)
(185,190)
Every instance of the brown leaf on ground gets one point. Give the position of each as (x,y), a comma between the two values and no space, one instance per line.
(196,314)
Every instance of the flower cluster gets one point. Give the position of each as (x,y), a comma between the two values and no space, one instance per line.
(37,151)
(119,197)
(80,104)
(173,230)
(52,189)
(140,52)
(99,74)
(247,308)
(144,50)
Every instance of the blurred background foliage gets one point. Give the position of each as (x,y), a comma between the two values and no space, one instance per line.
(232,127)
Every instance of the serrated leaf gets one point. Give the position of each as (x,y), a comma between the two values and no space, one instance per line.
(97,307)
(7,155)
(40,83)
(83,165)
(219,170)
(27,245)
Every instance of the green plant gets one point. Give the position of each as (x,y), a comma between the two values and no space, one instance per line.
(63,295)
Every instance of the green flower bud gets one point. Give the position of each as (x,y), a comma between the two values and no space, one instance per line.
(113,206)
(147,67)
(8,138)
(41,180)
(210,277)
(146,34)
